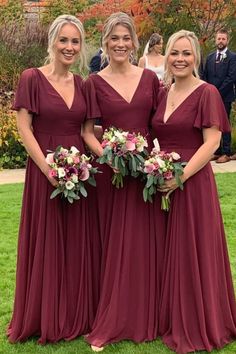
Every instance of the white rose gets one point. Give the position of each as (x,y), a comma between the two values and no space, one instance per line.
(140,148)
(69,160)
(156,144)
(160,162)
(61,172)
(74,150)
(74,178)
(64,151)
(69,185)
(175,156)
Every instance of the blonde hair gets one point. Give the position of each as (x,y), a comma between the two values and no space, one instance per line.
(118,18)
(54,30)
(168,77)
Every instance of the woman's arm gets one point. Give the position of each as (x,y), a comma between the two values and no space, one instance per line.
(98,132)
(90,139)
(211,141)
(141,62)
(24,125)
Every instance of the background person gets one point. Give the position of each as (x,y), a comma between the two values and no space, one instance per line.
(220,71)
(154,60)
(96,64)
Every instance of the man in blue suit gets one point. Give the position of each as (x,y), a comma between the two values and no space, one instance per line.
(95,63)
(220,71)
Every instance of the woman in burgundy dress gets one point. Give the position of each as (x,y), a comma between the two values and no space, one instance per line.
(124,96)
(197,310)
(54,298)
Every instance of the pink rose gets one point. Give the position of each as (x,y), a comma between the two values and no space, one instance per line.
(149,168)
(50,158)
(76,159)
(130,146)
(52,173)
(84,174)
(104,143)
(168,175)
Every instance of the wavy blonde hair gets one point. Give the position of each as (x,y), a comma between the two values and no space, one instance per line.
(168,77)
(53,32)
(118,18)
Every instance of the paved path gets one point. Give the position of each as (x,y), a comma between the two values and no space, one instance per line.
(18,176)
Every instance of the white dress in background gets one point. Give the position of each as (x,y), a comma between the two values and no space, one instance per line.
(159,70)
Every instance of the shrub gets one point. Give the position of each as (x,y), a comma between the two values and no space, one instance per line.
(22,43)
(12,153)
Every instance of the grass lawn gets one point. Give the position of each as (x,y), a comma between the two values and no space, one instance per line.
(10,197)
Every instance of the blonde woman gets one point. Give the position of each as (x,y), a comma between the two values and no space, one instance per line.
(131,250)
(54,297)
(197,308)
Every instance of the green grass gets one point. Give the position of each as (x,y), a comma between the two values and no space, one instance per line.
(10,197)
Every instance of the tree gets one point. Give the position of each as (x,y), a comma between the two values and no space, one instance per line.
(167,16)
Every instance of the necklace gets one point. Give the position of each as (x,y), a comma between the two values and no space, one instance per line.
(176,98)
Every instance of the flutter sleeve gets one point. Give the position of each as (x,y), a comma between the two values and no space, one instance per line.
(27,92)
(211,110)
(93,110)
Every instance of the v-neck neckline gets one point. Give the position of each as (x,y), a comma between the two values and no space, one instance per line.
(176,109)
(54,89)
(135,91)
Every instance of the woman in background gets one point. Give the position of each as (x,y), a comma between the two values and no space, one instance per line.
(154,60)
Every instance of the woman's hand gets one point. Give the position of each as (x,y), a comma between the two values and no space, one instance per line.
(47,172)
(115,170)
(168,186)
(53,181)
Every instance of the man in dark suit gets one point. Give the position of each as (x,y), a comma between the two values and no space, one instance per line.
(220,71)
(95,64)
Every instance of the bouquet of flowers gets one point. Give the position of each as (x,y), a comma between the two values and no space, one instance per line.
(123,151)
(159,167)
(71,169)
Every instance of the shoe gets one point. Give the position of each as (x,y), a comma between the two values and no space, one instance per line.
(233,157)
(223,159)
(214,157)
(96,349)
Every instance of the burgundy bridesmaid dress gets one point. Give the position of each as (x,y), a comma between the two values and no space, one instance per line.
(132,232)
(197,308)
(57,275)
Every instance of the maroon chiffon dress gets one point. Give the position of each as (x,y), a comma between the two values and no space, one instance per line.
(197,309)
(56,288)
(132,244)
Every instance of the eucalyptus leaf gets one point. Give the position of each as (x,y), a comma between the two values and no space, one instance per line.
(145,194)
(83,190)
(150,179)
(55,193)
(70,200)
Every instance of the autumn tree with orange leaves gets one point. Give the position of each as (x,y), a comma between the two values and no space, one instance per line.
(166,16)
